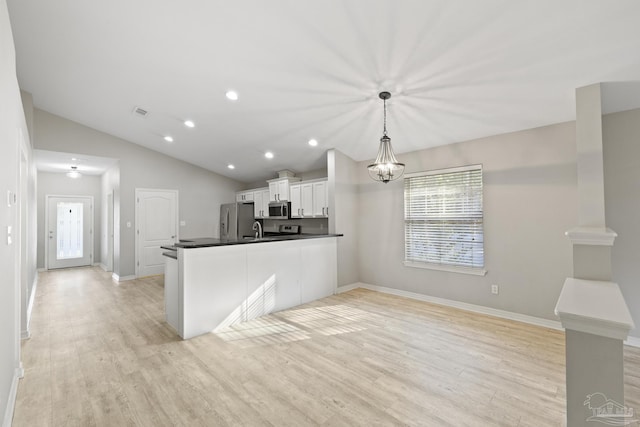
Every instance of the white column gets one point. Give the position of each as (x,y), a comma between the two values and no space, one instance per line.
(592,310)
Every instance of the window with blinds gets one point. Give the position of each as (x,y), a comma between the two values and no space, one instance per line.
(443,217)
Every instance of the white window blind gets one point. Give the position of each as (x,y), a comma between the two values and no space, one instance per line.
(443,217)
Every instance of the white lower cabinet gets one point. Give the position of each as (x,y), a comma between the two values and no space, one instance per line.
(172,304)
(214,288)
(272,285)
(319,261)
(223,285)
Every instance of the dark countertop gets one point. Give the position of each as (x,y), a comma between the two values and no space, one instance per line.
(204,242)
(171,254)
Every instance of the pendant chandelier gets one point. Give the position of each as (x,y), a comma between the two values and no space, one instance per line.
(386,167)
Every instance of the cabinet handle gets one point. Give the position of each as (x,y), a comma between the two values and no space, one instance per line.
(298,211)
(322,211)
(302,211)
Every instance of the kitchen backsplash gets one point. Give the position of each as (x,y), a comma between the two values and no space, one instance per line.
(307,225)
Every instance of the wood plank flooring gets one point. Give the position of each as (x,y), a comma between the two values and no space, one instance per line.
(102,355)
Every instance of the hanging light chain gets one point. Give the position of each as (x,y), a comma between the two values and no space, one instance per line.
(384,100)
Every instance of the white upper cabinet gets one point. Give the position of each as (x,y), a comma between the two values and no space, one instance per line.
(306,198)
(244,196)
(261,203)
(309,200)
(296,201)
(279,189)
(320,199)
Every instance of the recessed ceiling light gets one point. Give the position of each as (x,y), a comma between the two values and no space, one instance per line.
(268,155)
(73,173)
(231,166)
(313,142)
(168,138)
(189,123)
(73,159)
(232,95)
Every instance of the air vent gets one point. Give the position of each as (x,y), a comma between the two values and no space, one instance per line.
(140,112)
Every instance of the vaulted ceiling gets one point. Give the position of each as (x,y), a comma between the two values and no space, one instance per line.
(303,69)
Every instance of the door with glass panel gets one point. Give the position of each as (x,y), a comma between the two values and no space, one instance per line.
(69,231)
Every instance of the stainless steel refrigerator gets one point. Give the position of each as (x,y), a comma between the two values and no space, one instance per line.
(236,220)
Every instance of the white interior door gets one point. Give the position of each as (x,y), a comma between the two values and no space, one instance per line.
(69,231)
(156,224)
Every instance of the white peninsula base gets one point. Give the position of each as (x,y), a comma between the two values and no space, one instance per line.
(213,287)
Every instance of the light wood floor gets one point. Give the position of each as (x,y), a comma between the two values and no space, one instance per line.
(101,354)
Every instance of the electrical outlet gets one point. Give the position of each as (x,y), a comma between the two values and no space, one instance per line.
(494,289)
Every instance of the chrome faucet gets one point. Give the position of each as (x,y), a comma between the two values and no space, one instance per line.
(257,227)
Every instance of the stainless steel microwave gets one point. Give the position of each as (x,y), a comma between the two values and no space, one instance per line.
(279,210)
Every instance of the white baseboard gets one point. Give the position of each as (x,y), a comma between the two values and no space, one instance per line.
(509,315)
(347,288)
(26,334)
(122,278)
(40,270)
(32,297)
(102,266)
(632,341)
(11,401)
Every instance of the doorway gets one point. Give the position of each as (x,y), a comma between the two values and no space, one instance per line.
(156,226)
(69,231)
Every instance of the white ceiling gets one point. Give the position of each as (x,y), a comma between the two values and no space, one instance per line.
(457,70)
(58,162)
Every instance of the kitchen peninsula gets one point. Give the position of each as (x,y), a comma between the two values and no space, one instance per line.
(213,283)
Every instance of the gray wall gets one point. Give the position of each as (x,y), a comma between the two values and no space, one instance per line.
(110,185)
(200,191)
(28,236)
(530,200)
(344,213)
(14,142)
(58,184)
(621,142)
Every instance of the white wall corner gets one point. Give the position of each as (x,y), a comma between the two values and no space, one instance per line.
(503,314)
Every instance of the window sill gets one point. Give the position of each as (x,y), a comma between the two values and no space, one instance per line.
(449,268)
